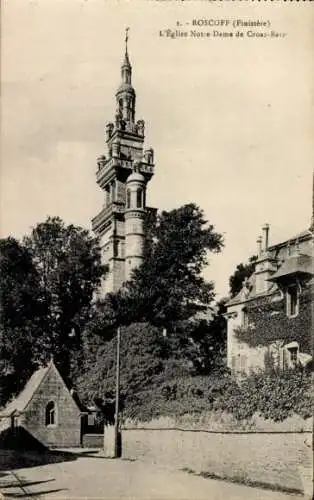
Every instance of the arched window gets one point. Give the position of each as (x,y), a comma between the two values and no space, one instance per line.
(139,198)
(51,418)
(107,191)
(128,199)
(113,191)
(117,248)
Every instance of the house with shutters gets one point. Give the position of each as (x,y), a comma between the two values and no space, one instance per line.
(45,411)
(269,322)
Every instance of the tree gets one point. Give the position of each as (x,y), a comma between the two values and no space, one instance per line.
(162,295)
(20,309)
(142,358)
(168,286)
(210,337)
(67,260)
(242,271)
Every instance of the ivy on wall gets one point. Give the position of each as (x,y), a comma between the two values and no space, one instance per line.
(268,322)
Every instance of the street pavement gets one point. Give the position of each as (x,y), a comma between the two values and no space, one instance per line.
(92,476)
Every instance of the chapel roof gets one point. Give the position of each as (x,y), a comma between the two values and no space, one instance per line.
(19,404)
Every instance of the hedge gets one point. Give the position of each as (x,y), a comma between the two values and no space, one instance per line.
(274,396)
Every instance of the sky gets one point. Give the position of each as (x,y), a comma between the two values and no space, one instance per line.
(230,120)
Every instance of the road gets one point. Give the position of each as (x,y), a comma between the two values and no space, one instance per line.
(95,477)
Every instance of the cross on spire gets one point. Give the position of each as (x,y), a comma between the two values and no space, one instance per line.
(126,38)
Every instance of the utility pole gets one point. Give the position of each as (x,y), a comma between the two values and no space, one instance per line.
(117,443)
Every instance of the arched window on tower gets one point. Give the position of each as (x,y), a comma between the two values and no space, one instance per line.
(113,191)
(107,195)
(120,105)
(133,109)
(139,198)
(128,199)
(51,417)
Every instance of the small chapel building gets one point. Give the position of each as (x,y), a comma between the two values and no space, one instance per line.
(45,411)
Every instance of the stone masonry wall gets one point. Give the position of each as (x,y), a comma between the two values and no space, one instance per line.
(273,459)
(67,430)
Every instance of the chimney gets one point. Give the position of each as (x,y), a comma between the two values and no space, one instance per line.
(266,236)
(259,245)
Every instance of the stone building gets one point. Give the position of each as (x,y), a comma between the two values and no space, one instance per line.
(46,410)
(270,319)
(123,176)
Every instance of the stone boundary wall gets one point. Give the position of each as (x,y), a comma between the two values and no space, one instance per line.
(220,422)
(93,441)
(275,459)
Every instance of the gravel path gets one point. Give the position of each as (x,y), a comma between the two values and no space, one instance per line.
(94,477)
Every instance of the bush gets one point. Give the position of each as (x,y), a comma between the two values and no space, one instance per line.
(272,396)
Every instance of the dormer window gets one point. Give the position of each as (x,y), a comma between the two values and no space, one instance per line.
(292,301)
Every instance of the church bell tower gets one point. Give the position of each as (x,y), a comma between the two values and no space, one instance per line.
(123,175)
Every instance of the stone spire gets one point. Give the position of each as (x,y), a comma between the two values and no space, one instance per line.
(125,94)
(126,68)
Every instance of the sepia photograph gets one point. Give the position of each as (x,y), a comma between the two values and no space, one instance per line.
(156,250)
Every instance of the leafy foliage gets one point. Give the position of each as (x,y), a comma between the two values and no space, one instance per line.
(274,396)
(168,286)
(163,296)
(20,308)
(242,271)
(148,360)
(269,322)
(46,290)
(67,259)
(143,350)
(202,341)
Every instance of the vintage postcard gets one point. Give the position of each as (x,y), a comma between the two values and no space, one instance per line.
(156,249)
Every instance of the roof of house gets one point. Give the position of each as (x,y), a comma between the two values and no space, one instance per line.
(248,292)
(301,263)
(306,234)
(21,402)
(296,264)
